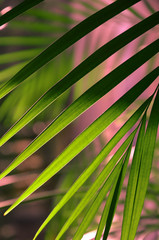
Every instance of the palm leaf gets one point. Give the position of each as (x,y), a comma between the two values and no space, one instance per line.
(144,168)
(64,42)
(19,9)
(25,41)
(112,199)
(82,140)
(36,27)
(101,195)
(99,181)
(92,132)
(112,176)
(49,16)
(131,191)
(90,63)
(106,150)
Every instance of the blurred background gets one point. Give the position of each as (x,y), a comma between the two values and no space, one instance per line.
(20,41)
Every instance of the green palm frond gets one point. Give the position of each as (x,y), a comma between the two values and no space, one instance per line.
(43,82)
(19,9)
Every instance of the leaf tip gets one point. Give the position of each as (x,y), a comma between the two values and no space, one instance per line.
(35,236)
(6,213)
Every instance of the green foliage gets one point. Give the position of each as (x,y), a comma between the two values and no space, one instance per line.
(110,180)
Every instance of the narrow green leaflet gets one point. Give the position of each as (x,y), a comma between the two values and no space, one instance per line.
(105,212)
(112,199)
(133,179)
(25,41)
(93,130)
(97,184)
(100,197)
(51,16)
(16,11)
(66,41)
(96,204)
(84,139)
(18,55)
(38,27)
(116,194)
(93,166)
(145,166)
(90,63)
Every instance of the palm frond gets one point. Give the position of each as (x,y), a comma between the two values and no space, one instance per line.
(19,9)
(91,62)
(60,80)
(64,42)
